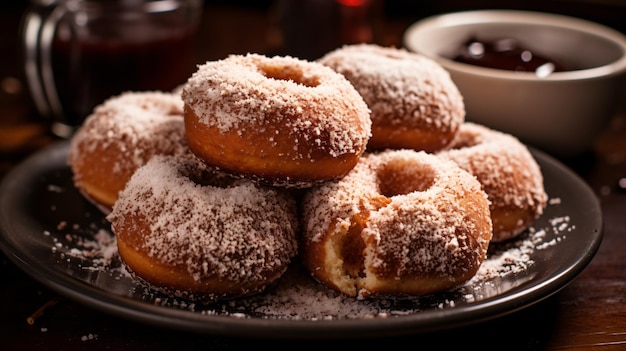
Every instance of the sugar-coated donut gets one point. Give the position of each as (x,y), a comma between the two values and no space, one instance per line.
(401,223)
(121,135)
(414,103)
(192,233)
(508,173)
(281,120)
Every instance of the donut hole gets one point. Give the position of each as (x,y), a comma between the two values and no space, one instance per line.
(289,73)
(401,178)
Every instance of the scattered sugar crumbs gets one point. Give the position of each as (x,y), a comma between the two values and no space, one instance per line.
(88,337)
(296,296)
(99,251)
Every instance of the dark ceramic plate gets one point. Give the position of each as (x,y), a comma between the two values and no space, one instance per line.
(63,241)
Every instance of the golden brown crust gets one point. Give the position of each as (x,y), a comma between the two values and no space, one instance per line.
(508,174)
(285,121)
(247,155)
(174,280)
(414,137)
(121,135)
(92,174)
(191,232)
(414,103)
(400,223)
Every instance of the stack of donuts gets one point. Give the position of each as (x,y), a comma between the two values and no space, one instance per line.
(360,165)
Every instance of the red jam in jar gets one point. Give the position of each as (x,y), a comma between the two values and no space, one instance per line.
(506,54)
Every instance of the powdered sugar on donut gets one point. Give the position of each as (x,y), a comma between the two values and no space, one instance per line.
(121,135)
(142,121)
(401,88)
(507,171)
(425,217)
(251,92)
(213,226)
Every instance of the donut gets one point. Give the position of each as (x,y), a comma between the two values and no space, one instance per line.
(508,173)
(122,134)
(401,223)
(279,120)
(413,101)
(188,231)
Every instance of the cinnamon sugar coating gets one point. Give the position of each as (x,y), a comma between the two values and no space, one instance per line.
(285,121)
(414,103)
(192,232)
(401,222)
(508,173)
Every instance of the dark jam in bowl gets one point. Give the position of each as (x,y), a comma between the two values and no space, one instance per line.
(506,54)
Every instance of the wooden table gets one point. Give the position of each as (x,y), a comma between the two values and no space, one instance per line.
(588,314)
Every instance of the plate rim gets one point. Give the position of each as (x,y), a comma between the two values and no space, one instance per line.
(421,322)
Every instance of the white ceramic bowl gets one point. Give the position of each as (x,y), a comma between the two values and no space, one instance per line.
(562,113)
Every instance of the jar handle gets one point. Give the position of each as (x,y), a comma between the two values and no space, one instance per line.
(39,29)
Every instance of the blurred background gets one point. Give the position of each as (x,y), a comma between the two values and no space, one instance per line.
(301,28)
(586,314)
